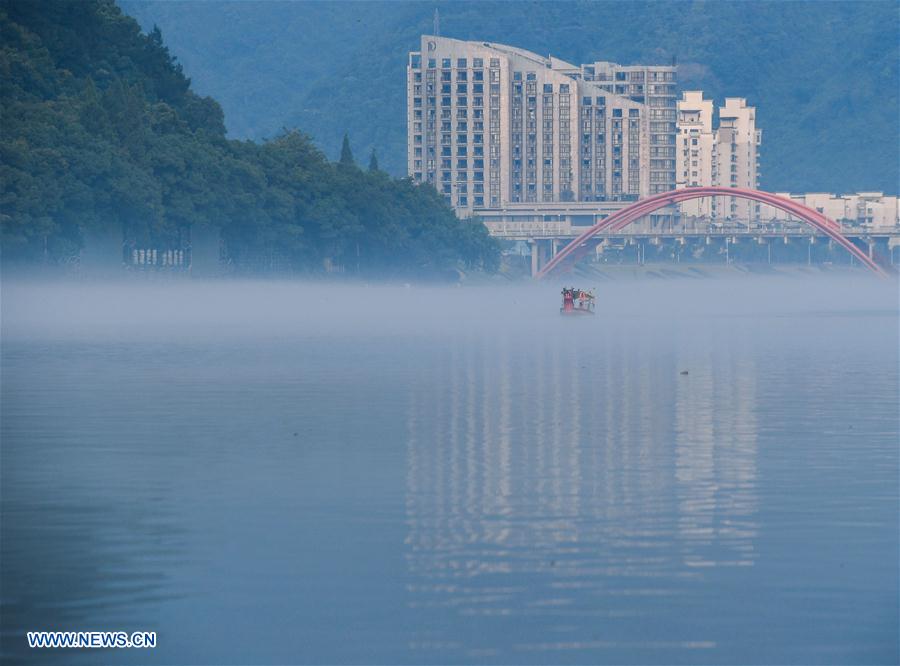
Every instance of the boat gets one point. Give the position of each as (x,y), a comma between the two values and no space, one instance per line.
(577,302)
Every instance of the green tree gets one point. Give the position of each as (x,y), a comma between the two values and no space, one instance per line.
(101,128)
(346,153)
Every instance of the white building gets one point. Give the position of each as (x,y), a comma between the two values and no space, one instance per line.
(872,210)
(491,125)
(726,156)
(695,151)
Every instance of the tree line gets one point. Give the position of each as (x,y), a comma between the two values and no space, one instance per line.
(100,129)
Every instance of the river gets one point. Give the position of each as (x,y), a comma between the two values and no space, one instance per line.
(272,472)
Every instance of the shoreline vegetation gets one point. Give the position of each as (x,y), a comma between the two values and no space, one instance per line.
(101,131)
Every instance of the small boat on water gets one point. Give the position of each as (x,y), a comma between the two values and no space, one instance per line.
(577,302)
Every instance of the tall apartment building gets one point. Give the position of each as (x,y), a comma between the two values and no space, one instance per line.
(727,156)
(490,125)
(654,87)
(696,150)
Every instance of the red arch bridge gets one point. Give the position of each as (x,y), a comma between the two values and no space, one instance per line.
(622,218)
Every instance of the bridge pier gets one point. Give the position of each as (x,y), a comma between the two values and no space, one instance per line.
(893,250)
(542,251)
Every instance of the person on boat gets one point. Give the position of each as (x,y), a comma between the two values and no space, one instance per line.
(568,299)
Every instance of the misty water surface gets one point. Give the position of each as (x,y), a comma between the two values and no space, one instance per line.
(276,472)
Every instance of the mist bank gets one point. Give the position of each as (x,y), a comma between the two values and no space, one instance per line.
(512,270)
(104,138)
(203,311)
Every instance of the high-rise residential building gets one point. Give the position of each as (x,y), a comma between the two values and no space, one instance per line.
(491,125)
(727,156)
(737,159)
(695,150)
(654,87)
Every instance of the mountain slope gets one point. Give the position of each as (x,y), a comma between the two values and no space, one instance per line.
(101,129)
(824,76)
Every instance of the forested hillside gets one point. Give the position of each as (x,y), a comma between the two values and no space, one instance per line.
(100,127)
(824,75)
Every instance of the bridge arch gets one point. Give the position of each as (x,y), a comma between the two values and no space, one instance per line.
(622,218)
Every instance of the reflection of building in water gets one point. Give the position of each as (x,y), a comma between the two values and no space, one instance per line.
(716,463)
(532,481)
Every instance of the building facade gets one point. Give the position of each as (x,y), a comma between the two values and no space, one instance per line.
(726,156)
(491,125)
(871,210)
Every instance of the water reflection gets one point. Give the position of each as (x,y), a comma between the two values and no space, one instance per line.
(715,464)
(572,478)
(90,535)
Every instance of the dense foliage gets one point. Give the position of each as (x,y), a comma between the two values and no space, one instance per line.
(100,128)
(824,75)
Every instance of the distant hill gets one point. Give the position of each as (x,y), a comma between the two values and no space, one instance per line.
(101,129)
(824,75)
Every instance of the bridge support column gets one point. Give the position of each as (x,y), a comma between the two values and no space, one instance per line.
(893,247)
(535,258)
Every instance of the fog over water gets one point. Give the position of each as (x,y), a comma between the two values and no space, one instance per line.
(266,472)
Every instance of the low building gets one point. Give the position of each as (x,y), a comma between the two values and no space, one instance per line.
(871,210)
